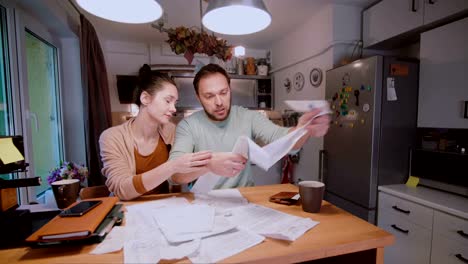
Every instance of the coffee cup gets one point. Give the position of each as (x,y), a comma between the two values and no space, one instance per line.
(311,193)
(66,192)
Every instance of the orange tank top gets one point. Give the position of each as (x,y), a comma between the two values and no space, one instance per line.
(151,161)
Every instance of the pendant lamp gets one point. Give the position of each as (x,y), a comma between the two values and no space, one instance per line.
(236,17)
(124,11)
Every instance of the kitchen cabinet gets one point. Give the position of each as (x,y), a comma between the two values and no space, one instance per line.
(390,18)
(435,10)
(443,78)
(430,226)
(405,19)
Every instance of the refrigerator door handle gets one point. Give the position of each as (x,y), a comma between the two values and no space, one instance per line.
(322,154)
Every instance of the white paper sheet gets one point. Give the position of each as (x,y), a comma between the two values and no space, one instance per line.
(185,219)
(268,222)
(144,232)
(221,199)
(205,183)
(113,242)
(167,202)
(221,225)
(216,248)
(309,105)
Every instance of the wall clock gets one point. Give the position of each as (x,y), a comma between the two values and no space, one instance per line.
(298,81)
(315,77)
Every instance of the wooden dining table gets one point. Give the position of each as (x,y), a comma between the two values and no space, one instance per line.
(339,238)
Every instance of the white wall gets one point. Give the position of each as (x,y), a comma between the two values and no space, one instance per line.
(321,42)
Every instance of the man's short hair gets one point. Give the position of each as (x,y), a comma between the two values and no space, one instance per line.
(209,70)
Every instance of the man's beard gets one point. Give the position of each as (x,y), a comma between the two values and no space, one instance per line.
(214,118)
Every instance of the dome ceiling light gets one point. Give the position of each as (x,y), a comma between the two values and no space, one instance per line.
(124,11)
(236,17)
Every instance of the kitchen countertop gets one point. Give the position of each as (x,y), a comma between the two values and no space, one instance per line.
(443,201)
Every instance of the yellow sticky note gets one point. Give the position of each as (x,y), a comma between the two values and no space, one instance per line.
(412,181)
(8,151)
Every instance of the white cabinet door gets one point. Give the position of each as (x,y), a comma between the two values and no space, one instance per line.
(412,242)
(443,84)
(447,251)
(390,18)
(439,9)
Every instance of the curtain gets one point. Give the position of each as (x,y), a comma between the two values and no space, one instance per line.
(96,98)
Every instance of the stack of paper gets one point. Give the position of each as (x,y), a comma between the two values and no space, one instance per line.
(173,228)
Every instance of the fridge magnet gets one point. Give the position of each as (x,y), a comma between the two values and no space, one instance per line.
(298,81)
(315,77)
(366,107)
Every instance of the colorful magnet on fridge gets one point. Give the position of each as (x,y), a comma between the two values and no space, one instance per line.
(362,87)
(336,122)
(351,125)
(368,87)
(335,97)
(362,121)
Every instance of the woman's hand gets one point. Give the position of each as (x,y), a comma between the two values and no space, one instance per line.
(191,162)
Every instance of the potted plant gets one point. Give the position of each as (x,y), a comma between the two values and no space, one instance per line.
(189,41)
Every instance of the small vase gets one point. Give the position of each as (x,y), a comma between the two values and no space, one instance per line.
(250,66)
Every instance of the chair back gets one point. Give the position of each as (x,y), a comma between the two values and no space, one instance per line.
(94,192)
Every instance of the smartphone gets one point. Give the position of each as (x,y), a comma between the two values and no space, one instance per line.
(80,209)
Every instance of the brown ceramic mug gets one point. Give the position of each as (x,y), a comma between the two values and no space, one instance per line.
(66,192)
(311,195)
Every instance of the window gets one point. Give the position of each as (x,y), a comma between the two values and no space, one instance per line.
(44,107)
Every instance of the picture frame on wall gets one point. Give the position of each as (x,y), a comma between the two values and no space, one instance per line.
(315,77)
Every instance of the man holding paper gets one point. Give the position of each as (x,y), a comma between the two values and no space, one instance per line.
(219,126)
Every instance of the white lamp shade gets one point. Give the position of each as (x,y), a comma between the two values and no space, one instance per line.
(124,11)
(236,17)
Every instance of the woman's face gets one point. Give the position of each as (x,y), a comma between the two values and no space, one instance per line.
(161,105)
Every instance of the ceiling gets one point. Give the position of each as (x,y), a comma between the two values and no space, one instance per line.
(286,15)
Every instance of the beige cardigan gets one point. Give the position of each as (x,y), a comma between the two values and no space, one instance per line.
(118,159)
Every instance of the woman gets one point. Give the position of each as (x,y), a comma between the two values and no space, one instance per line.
(135,154)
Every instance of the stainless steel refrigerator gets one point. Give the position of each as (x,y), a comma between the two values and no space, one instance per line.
(374,101)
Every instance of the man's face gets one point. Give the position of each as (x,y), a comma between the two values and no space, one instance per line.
(214,94)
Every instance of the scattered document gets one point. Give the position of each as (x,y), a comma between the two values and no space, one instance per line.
(185,219)
(205,183)
(271,223)
(168,202)
(221,199)
(113,242)
(216,248)
(8,151)
(309,105)
(141,251)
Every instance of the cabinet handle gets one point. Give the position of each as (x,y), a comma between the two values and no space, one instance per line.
(401,210)
(400,229)
(413,6)
(460,257)
(463,234)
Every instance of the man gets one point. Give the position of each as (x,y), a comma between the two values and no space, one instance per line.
(220,124)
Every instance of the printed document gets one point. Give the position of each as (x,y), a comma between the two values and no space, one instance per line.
(216,248)
(221,199)
(268,222)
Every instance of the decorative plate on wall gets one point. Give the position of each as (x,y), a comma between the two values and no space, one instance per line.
(316,77)
(298,81)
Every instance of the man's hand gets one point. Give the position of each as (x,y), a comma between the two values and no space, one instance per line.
(191,162)
(226,164)
(318,127)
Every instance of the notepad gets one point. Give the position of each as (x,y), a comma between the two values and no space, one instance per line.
(8,151)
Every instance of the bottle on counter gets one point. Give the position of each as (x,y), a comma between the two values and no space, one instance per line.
(250,68)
